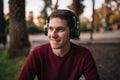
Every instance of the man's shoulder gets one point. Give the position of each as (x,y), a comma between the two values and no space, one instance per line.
(80,49)
(79,46)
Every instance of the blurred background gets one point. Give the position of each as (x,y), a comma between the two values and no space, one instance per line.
(22,24)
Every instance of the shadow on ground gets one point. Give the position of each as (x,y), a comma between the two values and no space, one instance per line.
(107,57)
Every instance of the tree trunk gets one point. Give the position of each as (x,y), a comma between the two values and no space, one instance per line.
(2,25)
(19,43)
(92,23)
(77,6)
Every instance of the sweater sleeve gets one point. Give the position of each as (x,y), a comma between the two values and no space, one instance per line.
(90,69)
(28,71)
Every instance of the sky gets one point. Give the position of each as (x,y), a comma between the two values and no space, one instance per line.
(37,5)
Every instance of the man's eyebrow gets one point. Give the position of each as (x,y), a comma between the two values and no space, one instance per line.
(61,27)
(58,27)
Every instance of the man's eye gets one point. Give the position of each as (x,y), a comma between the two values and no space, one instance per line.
(60,29)
(50,28)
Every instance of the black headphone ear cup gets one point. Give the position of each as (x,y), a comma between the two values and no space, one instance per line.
(46,31)
(77,33)
(72,33)
(46,28)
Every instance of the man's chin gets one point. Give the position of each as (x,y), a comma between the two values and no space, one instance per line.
(55,46)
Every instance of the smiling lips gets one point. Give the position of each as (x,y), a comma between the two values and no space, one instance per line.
(55,41)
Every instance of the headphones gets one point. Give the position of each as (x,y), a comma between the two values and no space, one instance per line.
(74,30)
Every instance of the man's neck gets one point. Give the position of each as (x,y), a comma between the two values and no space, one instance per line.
(62,51)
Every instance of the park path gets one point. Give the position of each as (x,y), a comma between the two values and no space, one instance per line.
(98,37)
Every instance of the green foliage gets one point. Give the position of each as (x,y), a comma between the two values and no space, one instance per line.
(6,25)
(83,27)
(9,68)
(117,20)
(34,30)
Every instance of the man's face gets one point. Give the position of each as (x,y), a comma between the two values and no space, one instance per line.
(58,33)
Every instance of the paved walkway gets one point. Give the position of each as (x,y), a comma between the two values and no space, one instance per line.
(98,37)
(103,37)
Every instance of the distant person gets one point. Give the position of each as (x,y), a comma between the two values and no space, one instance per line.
(60,59)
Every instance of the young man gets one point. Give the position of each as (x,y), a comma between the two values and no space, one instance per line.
(60,59)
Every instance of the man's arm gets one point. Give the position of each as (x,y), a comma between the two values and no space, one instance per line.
(28,71)
(90,69)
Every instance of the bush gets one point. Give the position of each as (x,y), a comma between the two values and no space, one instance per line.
(34,30)
(83,28)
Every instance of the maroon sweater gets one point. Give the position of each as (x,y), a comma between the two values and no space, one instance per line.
(47,66)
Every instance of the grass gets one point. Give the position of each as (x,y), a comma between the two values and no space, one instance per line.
(9,68)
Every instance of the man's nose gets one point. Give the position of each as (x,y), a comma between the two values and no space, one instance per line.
(54,33)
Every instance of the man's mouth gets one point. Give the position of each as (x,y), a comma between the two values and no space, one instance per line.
(55,41)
